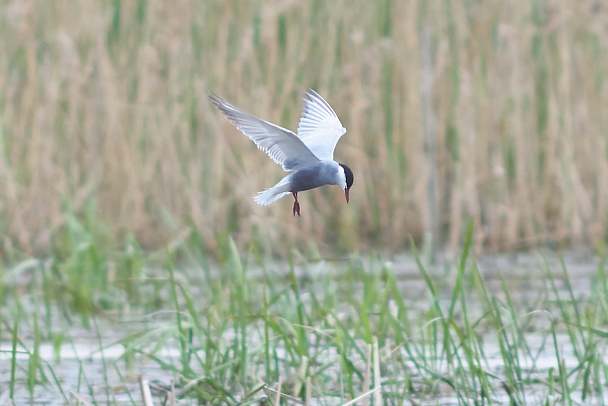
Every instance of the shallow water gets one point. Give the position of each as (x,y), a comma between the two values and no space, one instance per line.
(100,373)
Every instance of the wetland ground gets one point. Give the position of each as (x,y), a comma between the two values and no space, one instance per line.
(518,329)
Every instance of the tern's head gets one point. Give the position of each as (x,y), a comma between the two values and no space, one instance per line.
(350,178)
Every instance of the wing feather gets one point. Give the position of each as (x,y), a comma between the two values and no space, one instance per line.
(282,146)
(319,127)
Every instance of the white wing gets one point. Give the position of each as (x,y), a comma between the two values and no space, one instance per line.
(283,146)
(319,128)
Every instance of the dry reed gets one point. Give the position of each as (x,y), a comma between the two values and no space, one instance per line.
(492,111)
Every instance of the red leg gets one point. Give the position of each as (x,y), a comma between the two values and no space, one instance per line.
(296,204)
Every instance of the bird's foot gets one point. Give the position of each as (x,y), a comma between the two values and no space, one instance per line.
(296,205)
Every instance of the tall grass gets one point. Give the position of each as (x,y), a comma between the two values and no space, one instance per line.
(458,333)
(490,111)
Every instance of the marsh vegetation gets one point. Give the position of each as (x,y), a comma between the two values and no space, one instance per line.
(131,246)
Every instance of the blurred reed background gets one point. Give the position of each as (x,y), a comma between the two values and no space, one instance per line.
(494,111)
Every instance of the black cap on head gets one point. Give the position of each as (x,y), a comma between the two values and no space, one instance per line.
(350,178)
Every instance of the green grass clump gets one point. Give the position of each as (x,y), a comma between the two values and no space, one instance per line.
(246,329)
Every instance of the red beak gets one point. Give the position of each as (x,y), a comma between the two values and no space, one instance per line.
(346,194)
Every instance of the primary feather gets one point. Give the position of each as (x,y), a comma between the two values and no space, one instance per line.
(281,145)
(319,127)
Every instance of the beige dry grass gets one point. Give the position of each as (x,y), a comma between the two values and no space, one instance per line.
(499,108)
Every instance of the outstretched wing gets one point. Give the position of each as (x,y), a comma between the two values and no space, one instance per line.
(319,128)
(283,146)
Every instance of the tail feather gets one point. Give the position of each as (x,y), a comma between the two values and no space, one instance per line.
(269,196)
(274,193)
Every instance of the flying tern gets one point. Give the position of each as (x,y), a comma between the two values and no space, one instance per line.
(308,155)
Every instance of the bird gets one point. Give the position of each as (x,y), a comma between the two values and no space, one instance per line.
(307,155)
